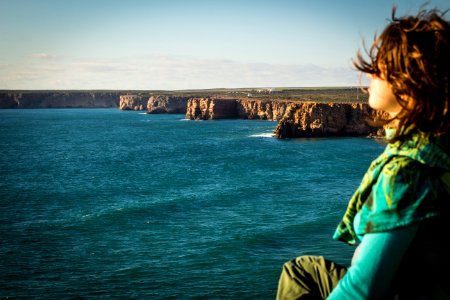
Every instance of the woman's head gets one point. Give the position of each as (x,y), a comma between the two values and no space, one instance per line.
(411,57)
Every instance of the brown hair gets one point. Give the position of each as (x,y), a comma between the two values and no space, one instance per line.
(413,54)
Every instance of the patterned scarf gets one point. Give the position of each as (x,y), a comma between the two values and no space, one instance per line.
(397,189)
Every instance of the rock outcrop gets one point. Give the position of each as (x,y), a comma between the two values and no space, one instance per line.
(133,102)
(211,108)
(326,119)
(167,104)
(261,110)
(59,99)
(230,108)
(296,119)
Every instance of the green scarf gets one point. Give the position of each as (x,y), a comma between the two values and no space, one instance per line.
(403,185)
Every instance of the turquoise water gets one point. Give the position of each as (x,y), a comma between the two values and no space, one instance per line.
(99,203)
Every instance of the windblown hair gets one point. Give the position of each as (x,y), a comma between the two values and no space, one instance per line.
(413,54)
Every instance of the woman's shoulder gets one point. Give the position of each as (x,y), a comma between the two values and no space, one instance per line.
(406,192)
(403,170)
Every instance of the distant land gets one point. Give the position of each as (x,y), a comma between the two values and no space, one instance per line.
(300,112)
(111,98)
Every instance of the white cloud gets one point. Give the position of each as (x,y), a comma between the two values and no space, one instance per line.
(166,72)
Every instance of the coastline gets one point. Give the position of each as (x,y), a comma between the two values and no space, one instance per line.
(300,112)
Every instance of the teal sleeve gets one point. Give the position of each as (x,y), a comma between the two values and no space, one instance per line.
(373,268)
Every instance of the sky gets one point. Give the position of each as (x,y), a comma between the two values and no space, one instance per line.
(188,44)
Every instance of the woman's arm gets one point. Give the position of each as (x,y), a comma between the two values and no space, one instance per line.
(375,264)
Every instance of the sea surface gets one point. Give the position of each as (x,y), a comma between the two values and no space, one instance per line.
(108,204)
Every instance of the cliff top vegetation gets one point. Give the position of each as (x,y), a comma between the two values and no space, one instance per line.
(316,94)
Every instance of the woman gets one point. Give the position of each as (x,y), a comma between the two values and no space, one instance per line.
(400,214)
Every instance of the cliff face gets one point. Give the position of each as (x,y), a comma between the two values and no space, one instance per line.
(261,110)
(9,100)
(167,104)
(325,119)
(228,108)
(211,108)
(59,99)
(296,119)
(133,102)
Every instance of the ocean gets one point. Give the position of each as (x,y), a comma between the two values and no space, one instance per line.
(110,204)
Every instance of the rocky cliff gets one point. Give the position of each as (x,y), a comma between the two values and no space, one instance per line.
(59,99)
(167,104)
(296,119)
(133,102)
(261,110)
(211,108)
(229,108)
(325,119)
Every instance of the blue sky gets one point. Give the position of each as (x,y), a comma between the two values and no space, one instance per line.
(190,44)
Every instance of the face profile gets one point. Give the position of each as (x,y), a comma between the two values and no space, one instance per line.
(381,96)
